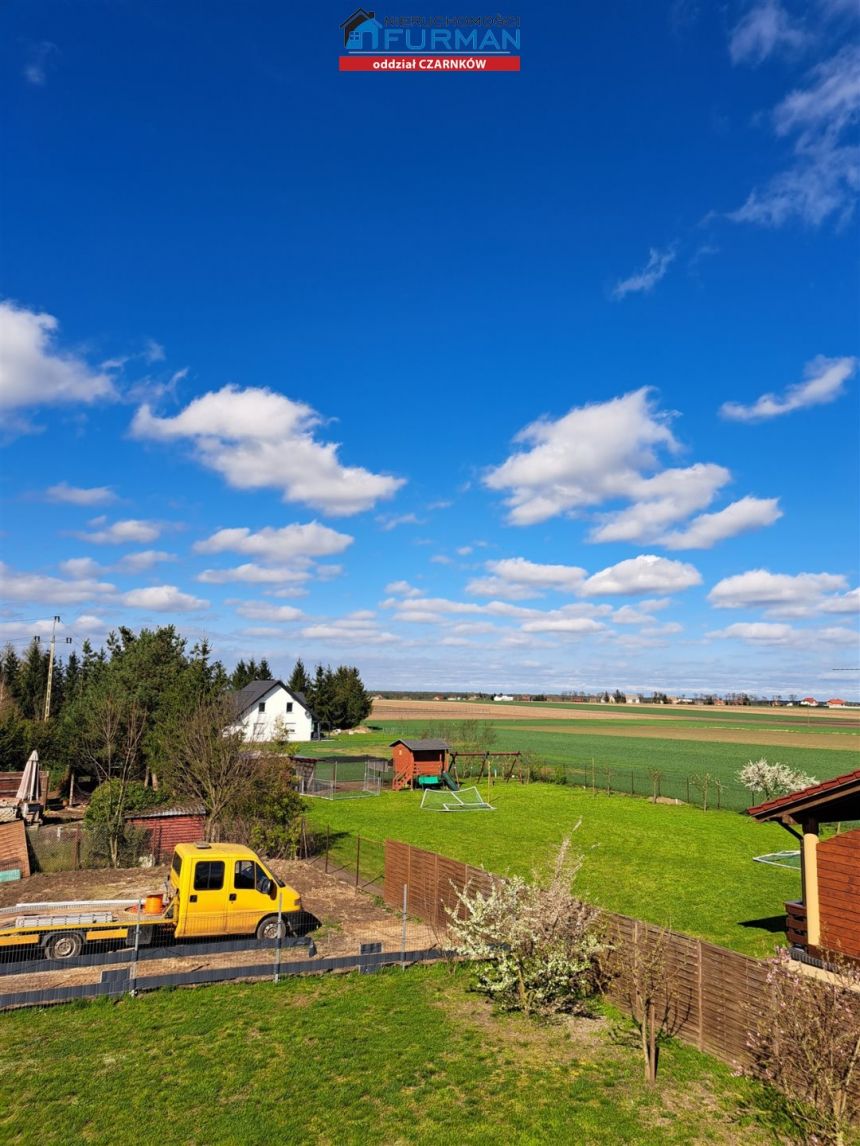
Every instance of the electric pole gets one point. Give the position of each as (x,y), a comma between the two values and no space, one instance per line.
(51,666)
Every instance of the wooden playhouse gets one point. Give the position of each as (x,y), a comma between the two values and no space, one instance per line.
(418,762)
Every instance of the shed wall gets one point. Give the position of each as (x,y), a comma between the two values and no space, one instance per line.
(839,893)
(168,831)
(13,847)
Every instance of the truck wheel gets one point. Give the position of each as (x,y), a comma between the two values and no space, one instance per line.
(66,945)
(271,928)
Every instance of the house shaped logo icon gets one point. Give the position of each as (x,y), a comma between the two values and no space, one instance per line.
(361,30)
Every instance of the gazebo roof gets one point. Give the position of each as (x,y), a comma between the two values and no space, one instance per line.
(827,802)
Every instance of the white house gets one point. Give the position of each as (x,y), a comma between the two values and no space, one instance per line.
(266,709)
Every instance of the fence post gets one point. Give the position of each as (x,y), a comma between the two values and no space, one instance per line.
(701,1031)
(77,849)
(327,838)
(357,858)
(687,778)
(279,938)
(403,927)
(132,971)
(632,783)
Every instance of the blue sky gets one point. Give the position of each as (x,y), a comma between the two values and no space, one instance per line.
(532,381)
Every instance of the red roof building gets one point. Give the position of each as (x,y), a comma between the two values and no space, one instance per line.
(827,917)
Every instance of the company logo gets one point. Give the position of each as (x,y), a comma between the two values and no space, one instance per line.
(430,43)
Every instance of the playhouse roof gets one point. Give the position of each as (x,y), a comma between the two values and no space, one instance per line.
(827,802)
(422,745)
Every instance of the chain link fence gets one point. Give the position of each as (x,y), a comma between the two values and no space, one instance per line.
(59,949)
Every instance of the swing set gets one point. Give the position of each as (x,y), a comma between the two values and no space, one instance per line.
(510,770)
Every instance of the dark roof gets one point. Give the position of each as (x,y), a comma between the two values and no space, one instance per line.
(254,692)
(827,802)
(423,745)
(165,813)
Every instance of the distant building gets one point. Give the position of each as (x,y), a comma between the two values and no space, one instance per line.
(809,701)
(266,709)
(503,697)
(836,703)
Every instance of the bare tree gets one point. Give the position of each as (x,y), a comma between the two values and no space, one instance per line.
(807,1045)
(649,978)
(205,761)
(110,735)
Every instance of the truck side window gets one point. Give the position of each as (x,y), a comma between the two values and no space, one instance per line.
(243,876)
(177,865)
(209,875)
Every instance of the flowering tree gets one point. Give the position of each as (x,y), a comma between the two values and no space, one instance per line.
(807,1045)
(537,947)
(772,779)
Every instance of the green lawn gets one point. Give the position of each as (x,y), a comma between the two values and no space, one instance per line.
(398,1057)
(671,864)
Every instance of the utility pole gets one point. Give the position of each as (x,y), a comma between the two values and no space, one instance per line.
(51,666)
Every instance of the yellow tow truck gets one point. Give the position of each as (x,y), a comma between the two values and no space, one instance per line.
(211,890)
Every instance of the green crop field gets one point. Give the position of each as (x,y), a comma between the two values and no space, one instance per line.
(624,763)
(674,865)
(397,1057)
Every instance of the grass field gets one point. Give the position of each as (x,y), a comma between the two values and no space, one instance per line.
(395,1057)
(673,865)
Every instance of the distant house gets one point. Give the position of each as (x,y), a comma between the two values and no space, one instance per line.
(836,703)
(502,697)
(267,709)
(809,701)
(632,699)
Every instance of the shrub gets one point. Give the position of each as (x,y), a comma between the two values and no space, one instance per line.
(111,838)
(537,948)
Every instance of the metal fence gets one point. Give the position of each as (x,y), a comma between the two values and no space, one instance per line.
(57,951)
(704,789)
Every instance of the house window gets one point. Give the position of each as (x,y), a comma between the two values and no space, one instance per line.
(289,706)
(261,707)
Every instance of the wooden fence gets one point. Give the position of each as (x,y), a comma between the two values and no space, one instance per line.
(713,996)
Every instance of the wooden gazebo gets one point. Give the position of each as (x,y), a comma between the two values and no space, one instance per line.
(827,917)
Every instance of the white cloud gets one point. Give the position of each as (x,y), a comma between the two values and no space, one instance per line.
(643,574)
(758,633)
(645,280)
(741,516)
(35,587)
(580,626)
(763,30)
(825,382)
(253,574)
(292,543)
(515,578)
(387,523)
(126,532)
(75,495)
(660,501)
(33,372)
(776,591)
(42,56)
(144,559)
(266,611)
(464,550)
(823,178)
(163,599)
(79,567)
(589,455)
(258,439)
(402,589)
(358,628)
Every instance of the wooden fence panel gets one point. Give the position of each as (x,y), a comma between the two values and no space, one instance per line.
(713,996)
